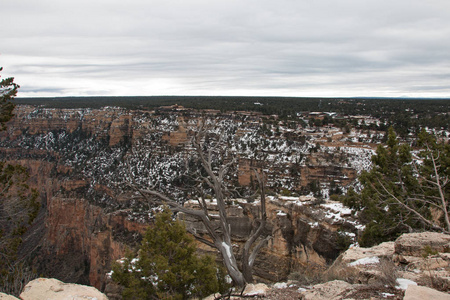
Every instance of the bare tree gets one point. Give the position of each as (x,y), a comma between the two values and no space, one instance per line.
(219,232)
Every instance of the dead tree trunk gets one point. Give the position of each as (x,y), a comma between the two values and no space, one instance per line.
(221,234)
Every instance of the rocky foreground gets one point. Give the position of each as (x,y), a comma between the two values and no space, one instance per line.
(415,266)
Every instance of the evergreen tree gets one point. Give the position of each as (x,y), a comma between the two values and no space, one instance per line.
(435,176)
(166,265)
(399,194)
(18,207)
(8,90)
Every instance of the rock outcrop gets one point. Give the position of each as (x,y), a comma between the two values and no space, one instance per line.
(336,289)
(43,288)
(73,240)
(75,158)
(383,250)
(414,292)
(81,237)
(4,296)
(303,232)
(413,259)
(416,244)
(253,290)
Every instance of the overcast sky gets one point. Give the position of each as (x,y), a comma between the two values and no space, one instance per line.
(335,48)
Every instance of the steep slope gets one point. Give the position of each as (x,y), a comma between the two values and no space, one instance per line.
(81,161)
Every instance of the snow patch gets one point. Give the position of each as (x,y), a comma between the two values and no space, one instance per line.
(402,283)
(365,261)
(338,208)
(280,285)
(227,248)
(288,198)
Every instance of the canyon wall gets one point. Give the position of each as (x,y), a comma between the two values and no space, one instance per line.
(304,233)
(72,239)
(87,219)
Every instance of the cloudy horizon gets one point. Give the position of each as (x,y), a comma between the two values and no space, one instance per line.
(313,48)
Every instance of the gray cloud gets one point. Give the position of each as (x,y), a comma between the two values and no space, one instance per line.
(254,47)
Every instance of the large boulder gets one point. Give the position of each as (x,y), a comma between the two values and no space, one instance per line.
(4,296)
(415,292)
(418,244)
(383,250)
(258,289)
(44,288)
(363,265)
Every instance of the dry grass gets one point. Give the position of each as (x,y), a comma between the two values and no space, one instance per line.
(312,274)
(388,273)
(385,275)
(308,275)
(348,274)
(432,280)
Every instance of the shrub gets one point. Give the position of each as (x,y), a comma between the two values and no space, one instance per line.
(308,275)
(435,282)
(388,273)
(167,265)
(427,251)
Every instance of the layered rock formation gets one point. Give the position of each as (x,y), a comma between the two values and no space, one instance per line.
(303,232)
(414,259)
(73,239)
(88,216)
(362,273)
(112,123)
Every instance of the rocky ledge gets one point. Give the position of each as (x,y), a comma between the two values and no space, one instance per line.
(53,289)
(415,266)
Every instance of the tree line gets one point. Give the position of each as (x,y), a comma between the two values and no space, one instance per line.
(402,114)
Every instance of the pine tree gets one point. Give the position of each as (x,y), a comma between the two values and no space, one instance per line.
(18,207)
(8,90)
(400,195)
(167,266)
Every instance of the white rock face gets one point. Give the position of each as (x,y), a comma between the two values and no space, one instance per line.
(356,253)
(4,296)
(44,288)
(259,289)
(414,292)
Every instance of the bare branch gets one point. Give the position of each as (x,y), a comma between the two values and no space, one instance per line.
(202,239)
(424,200)
(408,208)
(444,203)
(258,247)
(220,230)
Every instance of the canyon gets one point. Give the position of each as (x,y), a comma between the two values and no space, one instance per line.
(82,160)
